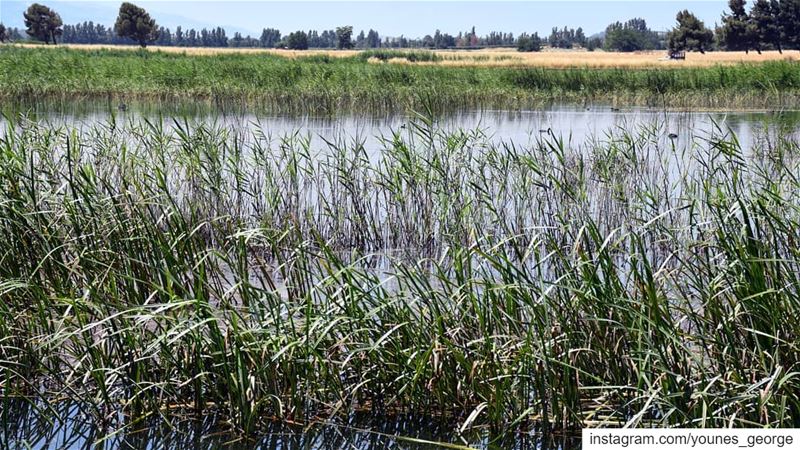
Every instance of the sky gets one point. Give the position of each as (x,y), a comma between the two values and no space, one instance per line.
(389,18)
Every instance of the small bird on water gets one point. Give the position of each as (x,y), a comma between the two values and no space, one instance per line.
(672,136)
(122,107)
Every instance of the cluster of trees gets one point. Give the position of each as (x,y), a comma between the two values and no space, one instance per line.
(399,42)
(9,34)
(463,39)
(633,35)
(594,43)
(439,40)
(468,39)
(529,43)
(770,24)
(342,38)
(191,38)
(498,39)
(326,39)
(270,38)
(370,40)
(567,38)
(134,25)
(445,40)
(243,41)
(297,40)
(690,34)
(91,33)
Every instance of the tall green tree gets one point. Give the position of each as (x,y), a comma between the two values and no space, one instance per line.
(42,23)
(344,37)
(690,34)
(580,37)
(4,34)
(136,24)
(361,40)
(373,39)
(789,23)
(631,36)
(270,37)
(297,41)
(737,31)
(765,17)
(593,44)
(529,43)
(237,39)
(566,38)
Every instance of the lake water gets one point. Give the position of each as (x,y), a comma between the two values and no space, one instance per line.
(575,125)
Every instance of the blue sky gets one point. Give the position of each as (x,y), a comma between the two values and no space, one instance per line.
(410,18)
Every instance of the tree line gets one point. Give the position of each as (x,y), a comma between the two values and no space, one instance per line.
(631,36)
(567,38)
(770,24)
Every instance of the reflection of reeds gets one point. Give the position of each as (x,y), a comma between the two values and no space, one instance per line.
(322,84)
(151,264)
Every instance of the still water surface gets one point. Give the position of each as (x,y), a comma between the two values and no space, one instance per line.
(575,125)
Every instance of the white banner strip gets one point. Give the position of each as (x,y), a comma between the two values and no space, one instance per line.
(690,438)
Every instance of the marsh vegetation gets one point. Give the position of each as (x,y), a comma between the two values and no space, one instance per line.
(274,268)
(321,84)
(160,267)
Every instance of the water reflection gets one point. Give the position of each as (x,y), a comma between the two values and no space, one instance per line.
(68,426)
(574,124)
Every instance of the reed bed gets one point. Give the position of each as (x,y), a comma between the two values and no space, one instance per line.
(149,268)
(321,84)
(405,55)
(498,57)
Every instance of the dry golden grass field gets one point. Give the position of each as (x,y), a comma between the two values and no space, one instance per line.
(507,57)
(578,58)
